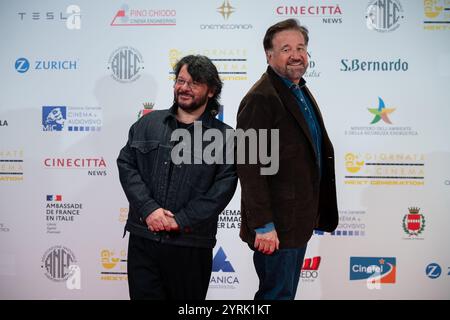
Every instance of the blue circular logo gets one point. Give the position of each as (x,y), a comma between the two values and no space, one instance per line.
(22,65)
(433,270)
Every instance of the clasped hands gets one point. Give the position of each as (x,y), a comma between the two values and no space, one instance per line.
(161,220)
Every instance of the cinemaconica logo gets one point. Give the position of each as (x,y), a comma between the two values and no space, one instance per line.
(223,274)
(72,119)
(144,17)
(125,64)
(56,263)
(374,271)
(23,65)
(226,10)
(114,265)
(71,16)
(231,63)
(384,15)
(94,166)
(327,14)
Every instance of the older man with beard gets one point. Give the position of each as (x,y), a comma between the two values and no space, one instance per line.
(280,211)
(174,207)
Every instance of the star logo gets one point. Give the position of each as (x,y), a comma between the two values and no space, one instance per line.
(226,9)
(381,113)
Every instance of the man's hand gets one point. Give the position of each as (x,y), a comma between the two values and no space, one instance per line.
(267,242)
(158,221)
(172,222)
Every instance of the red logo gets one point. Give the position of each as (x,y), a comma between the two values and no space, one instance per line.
(414,222)
(311,264)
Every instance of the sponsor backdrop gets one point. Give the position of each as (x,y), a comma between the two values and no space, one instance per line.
(77,74)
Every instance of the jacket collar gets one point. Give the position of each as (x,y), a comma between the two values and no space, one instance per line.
(290,103)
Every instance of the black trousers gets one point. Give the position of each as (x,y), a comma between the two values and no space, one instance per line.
(160,271)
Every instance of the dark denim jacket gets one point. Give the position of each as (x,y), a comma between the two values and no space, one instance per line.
(195,193)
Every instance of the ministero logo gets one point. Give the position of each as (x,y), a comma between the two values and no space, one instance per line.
(144,17)
(226,10)
(384,15)
(72,119)
(71,16)
(231,63)
(113,265)
(327,14)
(223,274)
(360,65)
(125,64)
(380,122)
(23,65)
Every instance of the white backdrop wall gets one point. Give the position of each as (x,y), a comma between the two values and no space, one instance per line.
(61,201)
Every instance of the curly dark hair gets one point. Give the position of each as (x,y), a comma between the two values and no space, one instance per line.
(203,70)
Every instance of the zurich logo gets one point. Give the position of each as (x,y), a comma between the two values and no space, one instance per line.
(22,65)
(433,270)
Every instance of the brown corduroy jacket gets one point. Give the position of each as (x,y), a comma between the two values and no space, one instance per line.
(296,199)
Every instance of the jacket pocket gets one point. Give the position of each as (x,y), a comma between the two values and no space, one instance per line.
(145,147)
(146,157)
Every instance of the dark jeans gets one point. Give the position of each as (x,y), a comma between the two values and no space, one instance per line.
(278,273)
(158,271)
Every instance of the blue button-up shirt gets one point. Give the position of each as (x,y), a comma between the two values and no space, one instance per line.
(307,110)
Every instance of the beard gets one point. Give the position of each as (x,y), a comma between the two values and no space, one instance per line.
(296,71)
(194,104)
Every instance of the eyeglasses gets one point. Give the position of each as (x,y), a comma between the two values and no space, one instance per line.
(194,85)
